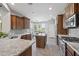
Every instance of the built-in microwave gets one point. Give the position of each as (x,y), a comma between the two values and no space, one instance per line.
(72,22)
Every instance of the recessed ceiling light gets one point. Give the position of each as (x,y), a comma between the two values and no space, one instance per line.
(50,8)
(13,3)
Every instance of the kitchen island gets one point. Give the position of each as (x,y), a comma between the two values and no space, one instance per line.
(41,39)
(15,47)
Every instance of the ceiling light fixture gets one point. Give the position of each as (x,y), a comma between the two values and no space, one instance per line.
(50,8)
(13,3)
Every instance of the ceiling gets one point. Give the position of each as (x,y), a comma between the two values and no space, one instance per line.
(39,11)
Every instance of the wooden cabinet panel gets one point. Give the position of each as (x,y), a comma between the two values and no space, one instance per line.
(19,22)
(67,12)
(27,52)
(13,22)
(70,50)
(27,23)
(60,29)
(26,37)
(71,9)
(29,36)
(68,53)
(41,41)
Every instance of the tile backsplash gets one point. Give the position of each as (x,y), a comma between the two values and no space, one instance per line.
(74,32)
(20,31)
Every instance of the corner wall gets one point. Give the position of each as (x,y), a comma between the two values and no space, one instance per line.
(5,15)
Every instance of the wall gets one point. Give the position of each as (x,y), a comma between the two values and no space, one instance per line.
(5,15)
(51,28)
(74,32)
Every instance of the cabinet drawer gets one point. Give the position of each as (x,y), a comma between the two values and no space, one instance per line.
(70,50)
(69,53)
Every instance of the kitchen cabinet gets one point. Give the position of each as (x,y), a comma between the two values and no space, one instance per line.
(19,22)
(41,41)
(69,51)
(67,12)
(60,29)
(26,37)
(71,9)
(16,22)
(27,52)
(27,23)
(13,22)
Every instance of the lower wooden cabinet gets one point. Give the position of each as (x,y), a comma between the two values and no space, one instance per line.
(69,51)
(27,52)
(41,41)
(26,37)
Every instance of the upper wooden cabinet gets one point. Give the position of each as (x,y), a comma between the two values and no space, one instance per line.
(19,22)
(26,22)
(60,29)
(71,9)
(13,22)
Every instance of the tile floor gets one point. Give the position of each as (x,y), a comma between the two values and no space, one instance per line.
(51,49)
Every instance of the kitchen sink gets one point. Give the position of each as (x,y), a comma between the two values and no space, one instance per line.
(13,37)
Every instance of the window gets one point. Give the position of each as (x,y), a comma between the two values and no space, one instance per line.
(39,28)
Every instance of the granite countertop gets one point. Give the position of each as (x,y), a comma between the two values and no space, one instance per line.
(73,45)
(63,36)
(18,35)
(41,34)
(13,47)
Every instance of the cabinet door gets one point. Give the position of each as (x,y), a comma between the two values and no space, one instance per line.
(20,23)
(73,8)
(69,51)
(24,37)
(66,12)
(13,22)
(27,23)
(60,28)
(29,36)
(59,25)
(41,41)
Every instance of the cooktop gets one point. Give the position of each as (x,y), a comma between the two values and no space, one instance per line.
(71,39)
